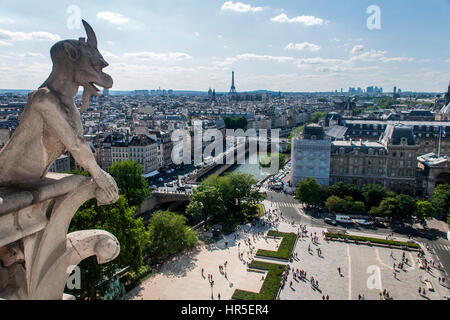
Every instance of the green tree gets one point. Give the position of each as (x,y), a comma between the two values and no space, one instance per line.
(243,188)
(117,218)
(425,210)
(169,234)
(308,192)
(208,200)
(131,183)
(236,123)
(441,200)
(343,190)
(293,133)
(407,206)
(389,208)
(317,116)
(397,208)
(357,207)
(336,204)
(374,194)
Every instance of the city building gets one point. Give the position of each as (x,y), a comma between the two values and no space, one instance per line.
(390,162)
(310,156)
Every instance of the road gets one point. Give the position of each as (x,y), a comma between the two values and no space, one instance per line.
(292,210)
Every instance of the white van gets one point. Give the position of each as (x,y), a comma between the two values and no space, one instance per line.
(343,219)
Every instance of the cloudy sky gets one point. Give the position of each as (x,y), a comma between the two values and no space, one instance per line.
(287,45)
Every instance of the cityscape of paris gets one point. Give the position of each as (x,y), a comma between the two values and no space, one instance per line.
(225,156)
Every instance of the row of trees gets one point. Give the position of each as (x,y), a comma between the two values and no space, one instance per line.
(236,123)
(166,233)
(374,199)
(227,199)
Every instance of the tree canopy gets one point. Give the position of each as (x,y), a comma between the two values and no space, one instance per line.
(117,218)
(131,183)
(169,234)
(441,199)
(373,194)
(425,210)
(343,190)
(308,192)
(317,116)
(236,123)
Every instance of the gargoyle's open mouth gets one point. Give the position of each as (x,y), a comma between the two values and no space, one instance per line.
(96,89)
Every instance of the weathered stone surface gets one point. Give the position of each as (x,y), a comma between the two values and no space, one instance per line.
(42,244)
(36,207)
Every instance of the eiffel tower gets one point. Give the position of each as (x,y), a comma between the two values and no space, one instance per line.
(233,88)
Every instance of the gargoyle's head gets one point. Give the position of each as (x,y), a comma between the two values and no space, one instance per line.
(84,61)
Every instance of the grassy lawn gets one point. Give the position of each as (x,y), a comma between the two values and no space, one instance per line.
(286,246)
(270,286)
(373,240)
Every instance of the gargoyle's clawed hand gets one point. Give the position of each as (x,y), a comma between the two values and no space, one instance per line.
(107,191)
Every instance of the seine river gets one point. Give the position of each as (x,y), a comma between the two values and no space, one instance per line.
(251,166)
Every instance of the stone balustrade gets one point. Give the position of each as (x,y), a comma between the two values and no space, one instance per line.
(36,253)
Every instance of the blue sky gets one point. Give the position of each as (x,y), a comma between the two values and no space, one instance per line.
(295,45)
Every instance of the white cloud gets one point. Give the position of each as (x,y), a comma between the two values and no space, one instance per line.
(6,20)
(315,61)
(240,7)
(7,35)
(220,36)
(169,57)
(112,17)
(447,60)
(396,59)
(30,55)
(5,43)
(196,34)
(107,54)
(305,20)
(357,49)
(303,46)
(252,56)
(368,56)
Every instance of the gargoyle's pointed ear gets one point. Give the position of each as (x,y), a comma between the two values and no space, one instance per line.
(72,51)
(91,37)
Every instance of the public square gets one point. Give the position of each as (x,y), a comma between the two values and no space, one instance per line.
(365,270)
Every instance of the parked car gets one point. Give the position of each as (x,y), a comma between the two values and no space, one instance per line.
(363,222)
(330,221)
(343,219)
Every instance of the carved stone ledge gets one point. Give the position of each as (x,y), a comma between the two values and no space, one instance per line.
(35,249)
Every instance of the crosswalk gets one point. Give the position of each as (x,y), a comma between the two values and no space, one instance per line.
(286,205)
(436,246)
(439,246)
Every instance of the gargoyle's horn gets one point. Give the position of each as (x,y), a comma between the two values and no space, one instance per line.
(91,37)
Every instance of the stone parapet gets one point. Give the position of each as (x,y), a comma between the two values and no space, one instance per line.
(36,253)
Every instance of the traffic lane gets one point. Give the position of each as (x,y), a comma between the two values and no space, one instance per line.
(442,254)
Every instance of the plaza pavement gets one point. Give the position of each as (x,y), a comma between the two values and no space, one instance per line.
(181,279)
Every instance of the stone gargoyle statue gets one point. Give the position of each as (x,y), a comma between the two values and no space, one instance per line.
(36,207)
(50,123)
